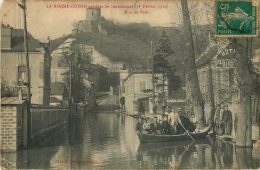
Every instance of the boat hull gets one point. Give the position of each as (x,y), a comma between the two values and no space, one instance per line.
(166,138)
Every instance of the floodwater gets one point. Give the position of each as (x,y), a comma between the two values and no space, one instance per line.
(108,140)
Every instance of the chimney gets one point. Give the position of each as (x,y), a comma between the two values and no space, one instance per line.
(6,37)
(20,94)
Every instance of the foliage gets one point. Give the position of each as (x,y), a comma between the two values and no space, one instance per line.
(107,79)
(162,66)
(141,31)
(163,51)
(117,48)
(129,43)
(7,89)
(79,58)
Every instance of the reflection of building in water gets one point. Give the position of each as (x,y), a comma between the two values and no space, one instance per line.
(188,155)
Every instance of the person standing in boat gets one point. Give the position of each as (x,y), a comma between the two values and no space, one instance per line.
(174,120)
(139,125)
(227,119)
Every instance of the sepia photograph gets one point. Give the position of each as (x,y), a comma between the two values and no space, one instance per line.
(130,84)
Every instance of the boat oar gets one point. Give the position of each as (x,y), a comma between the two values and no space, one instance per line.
(187,132)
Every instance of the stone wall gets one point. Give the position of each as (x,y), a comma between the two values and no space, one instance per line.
(14,124)
(8,128)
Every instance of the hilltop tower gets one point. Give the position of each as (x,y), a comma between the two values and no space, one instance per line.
(93,14)
(91,23)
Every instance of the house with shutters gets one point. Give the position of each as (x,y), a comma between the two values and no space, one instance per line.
(134,87)
(13,68)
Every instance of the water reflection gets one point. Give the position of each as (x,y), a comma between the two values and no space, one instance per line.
(109,140)
(181,154)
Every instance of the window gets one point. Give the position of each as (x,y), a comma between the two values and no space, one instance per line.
(225,79)
(21,75)
(231,77)
(142,86)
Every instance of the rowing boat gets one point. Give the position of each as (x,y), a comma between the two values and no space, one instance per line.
(144,137)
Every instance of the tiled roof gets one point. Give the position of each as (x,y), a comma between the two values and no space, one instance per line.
(11,101)
(207,55)
(17,44)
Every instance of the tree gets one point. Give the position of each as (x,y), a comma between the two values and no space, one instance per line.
(78,57)
(160,62)
(244,82)
(191,71)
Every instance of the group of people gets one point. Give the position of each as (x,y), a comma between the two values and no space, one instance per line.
(172,122)
(223,122)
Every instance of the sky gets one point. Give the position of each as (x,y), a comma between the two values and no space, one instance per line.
(50,18)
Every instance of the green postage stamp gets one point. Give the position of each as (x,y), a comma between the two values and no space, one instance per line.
(236,18)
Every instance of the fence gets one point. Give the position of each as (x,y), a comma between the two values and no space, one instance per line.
(44,119)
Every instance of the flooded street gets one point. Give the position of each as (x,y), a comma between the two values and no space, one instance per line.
(106,139)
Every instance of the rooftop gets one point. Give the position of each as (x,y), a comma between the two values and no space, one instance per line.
(17,42)
(11,101)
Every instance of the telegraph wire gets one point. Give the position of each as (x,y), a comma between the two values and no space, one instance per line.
(30,14)
(14,16)
(10,9)
(40,23)
(34,20)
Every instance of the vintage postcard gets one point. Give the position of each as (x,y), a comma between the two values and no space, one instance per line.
(134,84)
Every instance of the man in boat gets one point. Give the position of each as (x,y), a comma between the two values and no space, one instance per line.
(185,122)
(227,119)
(154,125)
(174,120)
(165,126)
(147,125)
(139,125)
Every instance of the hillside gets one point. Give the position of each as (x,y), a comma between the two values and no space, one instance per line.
(129,43)
(123,48)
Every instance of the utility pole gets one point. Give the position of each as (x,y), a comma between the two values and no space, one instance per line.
(152,73)
(70,90)
(28,84)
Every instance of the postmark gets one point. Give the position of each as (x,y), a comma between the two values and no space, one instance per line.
(236,19)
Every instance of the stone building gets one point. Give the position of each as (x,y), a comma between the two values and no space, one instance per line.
(215,67)
(13,68)
(91,23)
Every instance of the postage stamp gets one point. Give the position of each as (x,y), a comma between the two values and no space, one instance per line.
(236,18)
